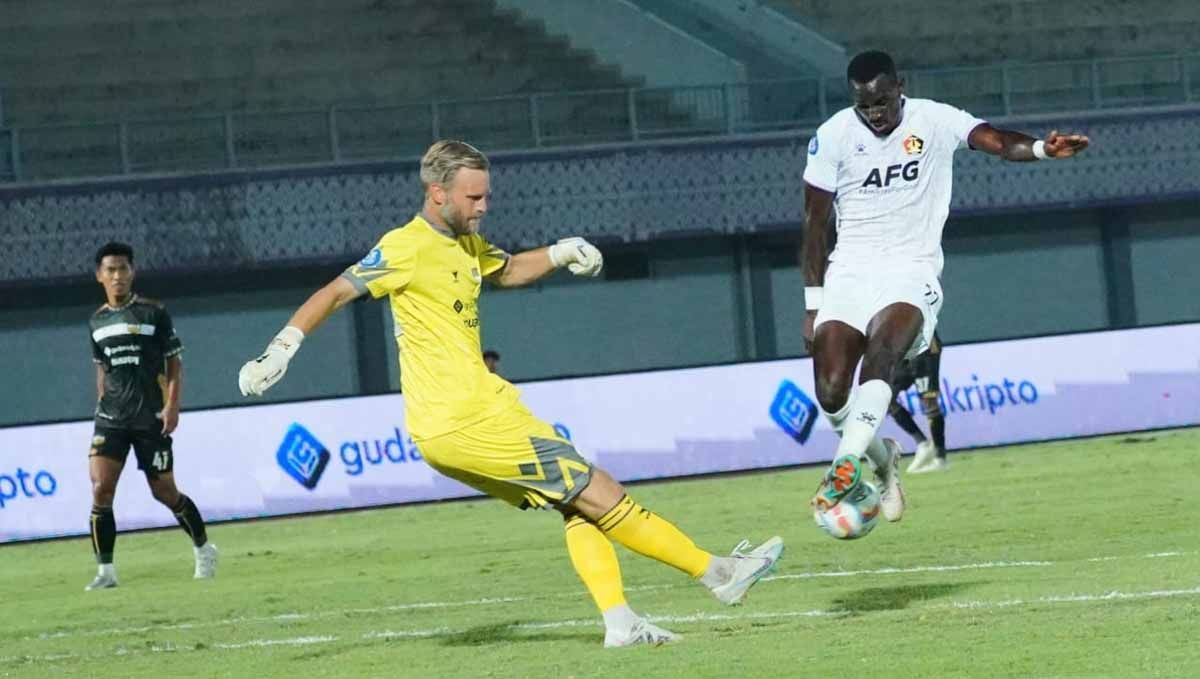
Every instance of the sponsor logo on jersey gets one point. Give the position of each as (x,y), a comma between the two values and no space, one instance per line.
(914,145)
(813,145)
(884,178)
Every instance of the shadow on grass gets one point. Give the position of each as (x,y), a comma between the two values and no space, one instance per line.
(895,598)
(509,632)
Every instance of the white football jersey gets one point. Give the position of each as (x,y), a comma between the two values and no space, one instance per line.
(892,193)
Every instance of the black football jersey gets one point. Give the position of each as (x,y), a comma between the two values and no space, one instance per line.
(132,344)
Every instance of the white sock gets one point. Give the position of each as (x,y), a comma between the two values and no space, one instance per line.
(107,569)
(720,569)
(861,428)
(619,618)
(878,454)
(838,419)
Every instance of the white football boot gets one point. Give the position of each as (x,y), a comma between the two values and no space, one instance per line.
(937,464)
(105,579)
(642,632)
(891,493)
(748,568)
(206,561)
(926,454)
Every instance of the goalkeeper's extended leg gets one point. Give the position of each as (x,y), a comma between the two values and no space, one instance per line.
(595,561)
(606,505)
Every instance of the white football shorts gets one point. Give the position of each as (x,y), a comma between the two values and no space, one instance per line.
(855,293)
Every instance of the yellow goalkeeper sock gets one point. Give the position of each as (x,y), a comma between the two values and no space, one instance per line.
(650,535)
(595,561)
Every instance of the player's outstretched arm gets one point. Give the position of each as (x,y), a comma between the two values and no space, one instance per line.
(1020,147)
(260,374)
(814,253)
(579,256)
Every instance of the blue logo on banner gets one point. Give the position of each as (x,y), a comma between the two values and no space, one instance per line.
(302,456)
(794,411)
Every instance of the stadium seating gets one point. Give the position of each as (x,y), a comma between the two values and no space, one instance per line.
(84,61)
(960,32)
(380,61)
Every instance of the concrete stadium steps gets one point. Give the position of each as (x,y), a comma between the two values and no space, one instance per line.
(152,57)
(63,12)
(951,33)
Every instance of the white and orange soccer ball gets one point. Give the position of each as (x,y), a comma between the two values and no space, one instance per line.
(847,505)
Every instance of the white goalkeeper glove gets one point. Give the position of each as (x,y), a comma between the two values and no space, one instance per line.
(579,256)
(258,375)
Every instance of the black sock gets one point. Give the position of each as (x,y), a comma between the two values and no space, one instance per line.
(104,533)
(937,427)
(190,520)
(937,421)
(906,422)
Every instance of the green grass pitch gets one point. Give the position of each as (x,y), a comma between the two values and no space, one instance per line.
(1069,559)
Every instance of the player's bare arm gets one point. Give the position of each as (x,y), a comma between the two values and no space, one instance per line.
(99,382)
(814,254)
(1020,147)
(579,256)
(172,393)
(321,304)
(524,268)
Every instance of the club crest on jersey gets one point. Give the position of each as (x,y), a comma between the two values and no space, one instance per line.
(914,145)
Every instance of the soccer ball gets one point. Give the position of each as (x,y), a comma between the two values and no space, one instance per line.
(855,501)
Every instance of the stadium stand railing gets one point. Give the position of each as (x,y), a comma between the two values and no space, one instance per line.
(219,141)
(628,192)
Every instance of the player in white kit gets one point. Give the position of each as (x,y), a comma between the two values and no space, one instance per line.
(884,164)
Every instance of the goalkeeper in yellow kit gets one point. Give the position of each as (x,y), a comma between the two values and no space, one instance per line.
(469,423)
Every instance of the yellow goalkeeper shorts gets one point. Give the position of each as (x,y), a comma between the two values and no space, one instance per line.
(512,456)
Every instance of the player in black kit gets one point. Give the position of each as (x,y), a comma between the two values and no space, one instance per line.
(138,382)
(924,371)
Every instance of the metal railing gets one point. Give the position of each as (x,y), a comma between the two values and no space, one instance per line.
(338,134)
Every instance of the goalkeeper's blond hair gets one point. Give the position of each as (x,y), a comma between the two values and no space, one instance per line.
(446,157)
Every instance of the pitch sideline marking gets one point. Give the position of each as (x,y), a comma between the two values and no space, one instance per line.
(591,622)
(297,616)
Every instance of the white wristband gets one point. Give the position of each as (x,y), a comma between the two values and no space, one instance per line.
(1039,150)
(813,297)
(288,341)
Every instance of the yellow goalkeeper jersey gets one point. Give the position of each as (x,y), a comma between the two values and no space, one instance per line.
(433,279)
